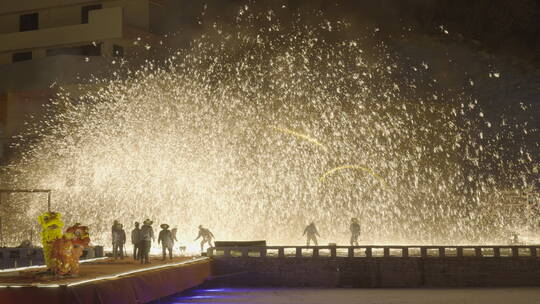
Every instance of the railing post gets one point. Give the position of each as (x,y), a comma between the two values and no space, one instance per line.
(350,251)
(227,252)
(442,253)
(333,252)
(245,252)
(263,252)
(478,252)
(459,252)
(515,252)
(386,252)
(368,252)
(423,252)
(405,252)
(497,252)
(315,252)
(281,252)
(298,252)
(534,253)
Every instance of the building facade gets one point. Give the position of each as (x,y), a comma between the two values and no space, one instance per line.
(34,29)
(45,43)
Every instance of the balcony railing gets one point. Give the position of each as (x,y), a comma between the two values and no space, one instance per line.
(372,251)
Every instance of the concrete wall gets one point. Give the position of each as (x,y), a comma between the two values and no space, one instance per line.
(137,13)
(22,105)
(376,272)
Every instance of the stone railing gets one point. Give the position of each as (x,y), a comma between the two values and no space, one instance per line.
(373,251)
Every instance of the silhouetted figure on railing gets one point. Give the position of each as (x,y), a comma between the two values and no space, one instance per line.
(167,240)
(136,241)
(119,239)
(355,231)
(147,236)
(206,236)
(515,239)
(312,233)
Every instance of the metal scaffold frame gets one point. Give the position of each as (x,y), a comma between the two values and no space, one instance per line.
(2,191)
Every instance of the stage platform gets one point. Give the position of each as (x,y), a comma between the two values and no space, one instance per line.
(105,281)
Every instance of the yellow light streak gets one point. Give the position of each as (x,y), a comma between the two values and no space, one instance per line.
(355,167)
(300,135)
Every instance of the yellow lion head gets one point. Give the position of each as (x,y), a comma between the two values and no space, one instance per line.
(50,219)
(51,226)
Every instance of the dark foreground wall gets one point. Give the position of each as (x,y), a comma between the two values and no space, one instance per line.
(376,272)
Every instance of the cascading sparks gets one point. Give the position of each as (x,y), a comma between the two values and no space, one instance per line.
(186,143)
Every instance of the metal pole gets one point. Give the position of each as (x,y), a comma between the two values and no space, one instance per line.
(49,201)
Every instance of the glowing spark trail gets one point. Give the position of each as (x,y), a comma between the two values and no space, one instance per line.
(300,135)
(336,169)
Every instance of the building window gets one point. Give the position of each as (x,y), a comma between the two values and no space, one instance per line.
(86,10)
(22,56)
(118,51)
(83,50)
(29,22)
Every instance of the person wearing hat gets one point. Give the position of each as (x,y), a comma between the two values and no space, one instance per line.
(136,241)
(312,233)
(147,236)
(166,239)
(206,236)
(355,231)
(114,226)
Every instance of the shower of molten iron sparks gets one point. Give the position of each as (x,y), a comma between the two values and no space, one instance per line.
(192,143)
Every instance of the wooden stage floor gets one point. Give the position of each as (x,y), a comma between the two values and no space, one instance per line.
(89,270)
(105,281)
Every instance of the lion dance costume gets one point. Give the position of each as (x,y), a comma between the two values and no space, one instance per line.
(62,251)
